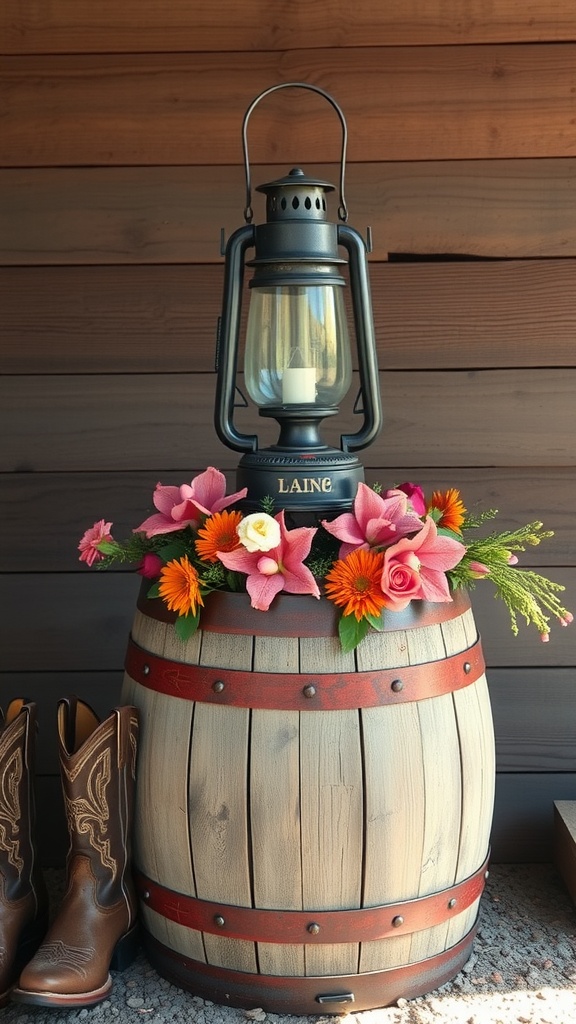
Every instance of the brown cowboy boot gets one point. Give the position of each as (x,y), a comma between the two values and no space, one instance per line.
(23,898)
(94,929)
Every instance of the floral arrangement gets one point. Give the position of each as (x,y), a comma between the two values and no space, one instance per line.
(394,547)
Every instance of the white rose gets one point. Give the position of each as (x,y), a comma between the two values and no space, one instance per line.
(259,532)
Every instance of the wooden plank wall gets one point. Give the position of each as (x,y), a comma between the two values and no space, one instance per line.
(120,160)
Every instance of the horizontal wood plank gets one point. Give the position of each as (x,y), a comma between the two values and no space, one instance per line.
(118,215)
(81,620)
(71,502)
(69,26)
(431,418)
(523,825)
(534,710)
(162,319)
(66,626)
(401,103)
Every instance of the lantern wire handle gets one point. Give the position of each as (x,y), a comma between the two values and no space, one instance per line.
(342,209)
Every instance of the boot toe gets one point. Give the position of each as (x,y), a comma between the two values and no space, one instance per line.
(57,976)
(62,971)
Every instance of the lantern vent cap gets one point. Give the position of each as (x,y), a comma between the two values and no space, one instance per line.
(296,196)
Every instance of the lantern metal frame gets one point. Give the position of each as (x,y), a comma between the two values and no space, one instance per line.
(297,245)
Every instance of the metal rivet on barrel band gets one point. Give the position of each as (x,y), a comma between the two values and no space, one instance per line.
(486,875)
(313,928)
(309,691)
(146,895)
(218,686)
(397,921)
(146,670)
(219,920)
(451,904)
(467,667)
(397,685)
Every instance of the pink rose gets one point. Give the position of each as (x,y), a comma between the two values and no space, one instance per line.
(433,555)
(401,582)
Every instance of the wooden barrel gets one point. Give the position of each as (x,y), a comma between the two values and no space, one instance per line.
(312,827)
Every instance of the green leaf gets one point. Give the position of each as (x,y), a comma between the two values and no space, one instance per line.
(351,631)
(236,581)
(108,547)
(443,532)
(376,621)
(154,590)
(174,550)
(186,626)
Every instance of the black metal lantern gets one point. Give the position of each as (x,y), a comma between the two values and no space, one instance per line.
(297,365)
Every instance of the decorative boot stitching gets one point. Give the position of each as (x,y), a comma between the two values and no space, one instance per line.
(103,737)
(58,954)
(133,748)
(10,811)
(89,814)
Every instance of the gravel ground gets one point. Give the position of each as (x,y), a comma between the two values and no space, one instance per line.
(522,971)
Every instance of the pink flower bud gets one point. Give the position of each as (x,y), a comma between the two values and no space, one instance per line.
(512,559)
(150,565)
(268,566)
(545,637)
(416,495)
(479,570)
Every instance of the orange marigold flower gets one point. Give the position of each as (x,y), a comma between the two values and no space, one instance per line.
(451,508)
(179,587)
(353,583)
(219,533)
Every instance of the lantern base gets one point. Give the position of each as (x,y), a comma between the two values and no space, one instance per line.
(321,479)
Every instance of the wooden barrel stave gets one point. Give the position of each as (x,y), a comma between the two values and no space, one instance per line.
(301,811)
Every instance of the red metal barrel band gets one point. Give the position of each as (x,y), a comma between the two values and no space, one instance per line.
(306,691)
(304,926)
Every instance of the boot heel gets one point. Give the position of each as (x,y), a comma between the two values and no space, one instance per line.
(125,950)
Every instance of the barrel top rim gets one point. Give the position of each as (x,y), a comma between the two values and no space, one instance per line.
(298,615)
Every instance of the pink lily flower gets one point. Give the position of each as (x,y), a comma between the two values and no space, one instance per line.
(182,506)
(427,553)
(280,568)
(375,522)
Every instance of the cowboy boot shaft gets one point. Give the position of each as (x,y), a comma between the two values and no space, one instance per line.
(16,798)
(23,896)
(98,772)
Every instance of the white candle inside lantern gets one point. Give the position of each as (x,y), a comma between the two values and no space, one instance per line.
(298,385)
